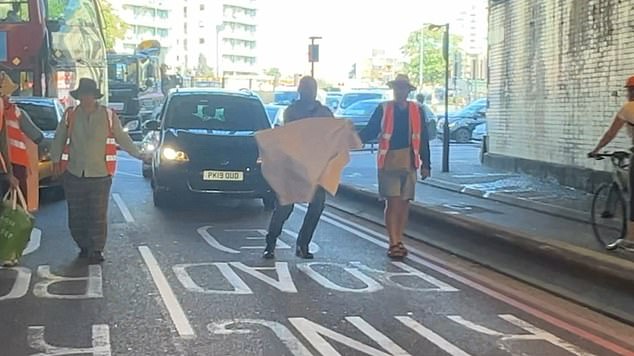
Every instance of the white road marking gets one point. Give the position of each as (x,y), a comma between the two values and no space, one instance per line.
(211,240)
(94,284)
(34,242)
(100,343)
(371,285)
(431,336)
(239,286)
(174,308)
(255,237)
(21,284)
(123,208)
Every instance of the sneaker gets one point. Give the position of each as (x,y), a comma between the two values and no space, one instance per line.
(622,243)
(614,244)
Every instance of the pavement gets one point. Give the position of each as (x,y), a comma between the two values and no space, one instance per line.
(540,215)
(191,281)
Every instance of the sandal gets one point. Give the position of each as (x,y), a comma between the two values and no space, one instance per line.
(396,251)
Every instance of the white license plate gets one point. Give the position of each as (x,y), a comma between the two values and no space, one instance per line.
(223,176)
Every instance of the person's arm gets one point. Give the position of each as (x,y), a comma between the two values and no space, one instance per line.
(372,130)
(123,139)
(29,128)
(609,135)
(61,134)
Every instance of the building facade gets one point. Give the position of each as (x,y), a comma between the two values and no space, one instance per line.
(147,20)
(557,69)
(217,38)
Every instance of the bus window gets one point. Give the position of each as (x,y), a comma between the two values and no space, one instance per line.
(14,11)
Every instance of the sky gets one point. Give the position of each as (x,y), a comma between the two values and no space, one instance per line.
(350,30)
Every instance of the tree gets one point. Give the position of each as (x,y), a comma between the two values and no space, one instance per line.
(276,74)
(114,27)
(434,63)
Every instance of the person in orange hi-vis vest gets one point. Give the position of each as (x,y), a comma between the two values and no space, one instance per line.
(19,138)
(399,126)
(85,152)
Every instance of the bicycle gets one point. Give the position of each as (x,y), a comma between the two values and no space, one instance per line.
(609,204)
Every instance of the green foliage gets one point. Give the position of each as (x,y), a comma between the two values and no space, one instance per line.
(434,63)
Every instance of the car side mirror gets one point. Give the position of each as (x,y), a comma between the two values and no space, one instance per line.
(152,125)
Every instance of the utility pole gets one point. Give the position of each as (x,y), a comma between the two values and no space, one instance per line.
(445,138)
(219,28)
(313,54)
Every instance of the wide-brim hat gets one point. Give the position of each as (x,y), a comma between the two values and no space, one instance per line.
(401,79)
(86,86)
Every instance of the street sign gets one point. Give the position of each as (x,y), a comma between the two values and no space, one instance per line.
(313,53)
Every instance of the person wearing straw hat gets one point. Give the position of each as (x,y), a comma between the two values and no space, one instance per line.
(19,138)
(84,151)
(399,126)
(624,116)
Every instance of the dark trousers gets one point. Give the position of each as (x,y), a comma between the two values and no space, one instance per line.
(87,200)
(283,212)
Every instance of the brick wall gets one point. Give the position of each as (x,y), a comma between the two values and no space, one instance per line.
(553,67)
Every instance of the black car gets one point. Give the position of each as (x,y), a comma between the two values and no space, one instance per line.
(463,122)
(206,145)
(46,113)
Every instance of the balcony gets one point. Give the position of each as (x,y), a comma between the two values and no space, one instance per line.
(238,51)
(247,4)
(238,34)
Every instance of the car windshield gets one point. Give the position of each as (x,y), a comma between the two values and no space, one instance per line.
(216,112)
(123,70)
(285,97)
(14,11)
(45,116)
(352,98)
(363,108)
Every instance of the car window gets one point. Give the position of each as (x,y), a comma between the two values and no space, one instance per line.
(361,109)
(216,112)
(349,99)
(43,116)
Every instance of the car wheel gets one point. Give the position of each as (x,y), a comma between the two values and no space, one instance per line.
(161,199)
(462,135)
(269,202)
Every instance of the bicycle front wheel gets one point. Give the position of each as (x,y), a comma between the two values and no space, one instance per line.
(609,214)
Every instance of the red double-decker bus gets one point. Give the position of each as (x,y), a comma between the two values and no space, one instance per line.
(47,45)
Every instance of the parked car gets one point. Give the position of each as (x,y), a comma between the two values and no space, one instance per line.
(333,100)
(46,113)
(275,113)
(207,146)
(463,122)
(360,112)
(479,132)
(354,96)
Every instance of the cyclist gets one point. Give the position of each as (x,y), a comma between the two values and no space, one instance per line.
(625,115)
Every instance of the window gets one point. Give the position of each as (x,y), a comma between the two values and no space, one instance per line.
(209,112)
(185,44)
(201,40)
(14,12)
(185,28)
(202,7)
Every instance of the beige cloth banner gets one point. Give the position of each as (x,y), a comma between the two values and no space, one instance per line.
(302,155)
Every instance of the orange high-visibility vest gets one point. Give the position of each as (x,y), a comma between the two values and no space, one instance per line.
(16,143)
(387,125)
(111,143)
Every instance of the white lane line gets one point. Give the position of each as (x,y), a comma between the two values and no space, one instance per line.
(34,242)
(174,308)
(255,237)
(123,208)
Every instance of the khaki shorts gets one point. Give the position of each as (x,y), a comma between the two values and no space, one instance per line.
(397,184)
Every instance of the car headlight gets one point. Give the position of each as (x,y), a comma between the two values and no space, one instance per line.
(149,147)
(171,154)
(131,126)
